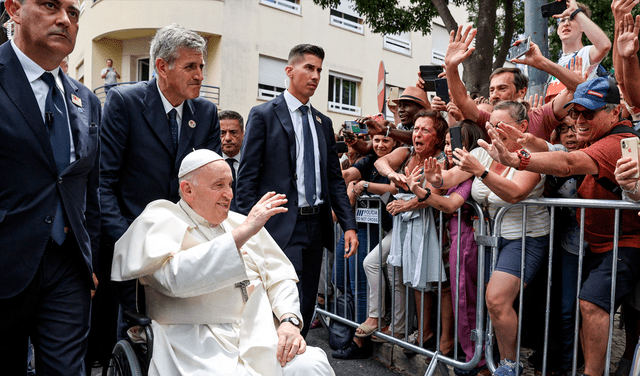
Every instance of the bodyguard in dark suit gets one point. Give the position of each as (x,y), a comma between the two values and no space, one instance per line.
(289,147)
(148,128)
(49,207)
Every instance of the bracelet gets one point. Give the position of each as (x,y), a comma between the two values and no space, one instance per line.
(441,183)
(634,190)
(574,14)
(484,175)
(388,131)
(425,196)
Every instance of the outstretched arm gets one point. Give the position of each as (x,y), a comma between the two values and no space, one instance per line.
(628,49)
(597,37)
(458,51)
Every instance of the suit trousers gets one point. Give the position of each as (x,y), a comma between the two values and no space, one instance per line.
(306,245)
(54,310)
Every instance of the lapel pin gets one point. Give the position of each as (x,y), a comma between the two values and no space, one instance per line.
(192,124)
(318,119)
(76,100)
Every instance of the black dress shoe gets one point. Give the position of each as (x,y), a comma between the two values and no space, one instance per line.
(352,351)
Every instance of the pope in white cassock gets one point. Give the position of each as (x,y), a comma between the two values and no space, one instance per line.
(221,293)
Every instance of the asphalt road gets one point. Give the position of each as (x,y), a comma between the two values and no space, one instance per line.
(319,337)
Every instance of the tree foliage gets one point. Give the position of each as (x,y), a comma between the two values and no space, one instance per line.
(496,21)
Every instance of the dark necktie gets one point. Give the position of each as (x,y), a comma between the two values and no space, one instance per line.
(309,158)
(173,123)
(58,128)
(231,161)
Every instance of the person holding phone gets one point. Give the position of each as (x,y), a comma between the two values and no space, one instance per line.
(498,185)
(110,76)
(453,199)
(363,179)
(574,22)
(419,265)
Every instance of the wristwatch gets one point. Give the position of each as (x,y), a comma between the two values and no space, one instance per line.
(292,319)
(365,185)
(525,157)
(425,196)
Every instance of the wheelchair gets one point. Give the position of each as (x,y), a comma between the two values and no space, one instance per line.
(129,358)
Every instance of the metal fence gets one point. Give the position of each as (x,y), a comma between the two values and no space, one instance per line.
(484,339)
(211,93)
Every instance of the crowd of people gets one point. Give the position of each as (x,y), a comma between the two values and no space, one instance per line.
(565,144)
(216,230)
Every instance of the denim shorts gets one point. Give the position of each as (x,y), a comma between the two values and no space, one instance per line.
(510,252)
(597,276)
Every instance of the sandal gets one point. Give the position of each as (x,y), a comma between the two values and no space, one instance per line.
(367,330)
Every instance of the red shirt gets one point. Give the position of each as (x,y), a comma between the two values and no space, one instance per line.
(599,223)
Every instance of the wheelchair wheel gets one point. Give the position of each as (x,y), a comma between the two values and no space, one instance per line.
(123,361)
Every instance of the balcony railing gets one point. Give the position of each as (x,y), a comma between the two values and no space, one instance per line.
(211,93)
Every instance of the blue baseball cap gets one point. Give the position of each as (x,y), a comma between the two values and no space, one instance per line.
(596,93)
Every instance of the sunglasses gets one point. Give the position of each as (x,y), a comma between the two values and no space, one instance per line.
(587,114)
(565,128)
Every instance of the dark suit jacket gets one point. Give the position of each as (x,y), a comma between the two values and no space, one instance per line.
(269,164)
(31,187)
(139,163)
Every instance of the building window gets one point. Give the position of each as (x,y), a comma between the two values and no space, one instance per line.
(345,17)
(439,43)
(400,43)
(343,94)
(387,113)
(271,77)
(291,6)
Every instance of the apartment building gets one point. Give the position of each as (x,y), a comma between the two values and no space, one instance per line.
(248,42)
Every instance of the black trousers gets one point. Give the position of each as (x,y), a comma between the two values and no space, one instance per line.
(54,310)
(305,252)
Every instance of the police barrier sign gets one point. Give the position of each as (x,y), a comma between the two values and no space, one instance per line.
(364,215)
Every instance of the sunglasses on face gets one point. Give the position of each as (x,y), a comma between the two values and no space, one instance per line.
(565,128)
(586,114)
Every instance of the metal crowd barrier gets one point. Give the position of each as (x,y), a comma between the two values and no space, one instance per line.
(552,204)
(370,214)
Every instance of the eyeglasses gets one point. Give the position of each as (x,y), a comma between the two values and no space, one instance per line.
(563,20)
(565,128)
(586,114)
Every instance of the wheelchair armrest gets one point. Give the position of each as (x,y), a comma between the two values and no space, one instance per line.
(134,318)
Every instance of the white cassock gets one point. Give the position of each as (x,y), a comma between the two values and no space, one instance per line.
(201,323)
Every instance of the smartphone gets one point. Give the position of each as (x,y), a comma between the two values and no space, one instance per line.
(629,148)
(442,89)
(429,73)
(557,7)
(356,127)
(394,93)
(341,147)
(456,138)
(387,197)
(520,50)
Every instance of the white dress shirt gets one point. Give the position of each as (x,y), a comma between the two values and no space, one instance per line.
(168,107)
(296,118)
(40,89)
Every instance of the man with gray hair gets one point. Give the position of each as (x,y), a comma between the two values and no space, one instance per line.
(148,128)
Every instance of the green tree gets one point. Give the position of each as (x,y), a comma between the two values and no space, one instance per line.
(493,40)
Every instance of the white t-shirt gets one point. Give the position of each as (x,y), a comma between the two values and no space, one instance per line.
(111,78)
(537,216)
(555,86)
